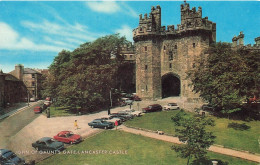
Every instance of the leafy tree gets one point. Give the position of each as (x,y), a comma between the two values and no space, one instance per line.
(83,78)
(225,77)
(192,132)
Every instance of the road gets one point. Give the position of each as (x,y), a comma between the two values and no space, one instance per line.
(13,124)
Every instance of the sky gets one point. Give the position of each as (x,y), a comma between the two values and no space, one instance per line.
(32,33)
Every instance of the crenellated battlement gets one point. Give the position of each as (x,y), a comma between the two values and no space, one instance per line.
(191,20)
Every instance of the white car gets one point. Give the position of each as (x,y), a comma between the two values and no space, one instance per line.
(171,106)
(127,101)
(133,112)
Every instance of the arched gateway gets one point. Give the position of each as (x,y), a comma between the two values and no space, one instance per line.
(171,85)
(162,51)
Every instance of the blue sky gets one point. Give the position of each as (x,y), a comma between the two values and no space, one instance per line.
(33,32)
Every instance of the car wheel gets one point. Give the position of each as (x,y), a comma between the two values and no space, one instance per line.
(105,127)
(168,109)
(71,142)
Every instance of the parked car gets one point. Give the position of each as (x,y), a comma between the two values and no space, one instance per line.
(32,99)
(122,103)
(48,99)
(7,157)
(98,123)
(137,98)
(171,106)
(127,101)
(152,108)
(48,144)
(68,137)
(37,109)
(47,103)
(111,119)
(123,114)
(133,112)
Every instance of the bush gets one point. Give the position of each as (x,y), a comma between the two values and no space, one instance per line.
(238,126)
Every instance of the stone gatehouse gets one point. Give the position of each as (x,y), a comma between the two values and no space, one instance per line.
(164,55)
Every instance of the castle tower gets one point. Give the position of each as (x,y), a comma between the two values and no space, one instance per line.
(163,56)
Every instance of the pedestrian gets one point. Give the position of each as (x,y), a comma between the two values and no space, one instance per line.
(116,124)
(76,125)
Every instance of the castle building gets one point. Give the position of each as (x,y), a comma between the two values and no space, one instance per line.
(164,55)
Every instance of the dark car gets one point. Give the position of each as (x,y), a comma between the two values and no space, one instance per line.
(48,144)
(68,137)
(152,108)
(98,123)
(7,157)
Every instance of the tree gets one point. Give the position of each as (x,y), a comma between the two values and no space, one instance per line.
(192,132)
(225,77)
(83,78)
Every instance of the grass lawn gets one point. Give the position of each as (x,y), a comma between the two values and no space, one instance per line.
(61,111)
(229,137)
(136,150)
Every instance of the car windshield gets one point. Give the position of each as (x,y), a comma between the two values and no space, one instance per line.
(69,134)
(172,104)
(50,141)
(9,155)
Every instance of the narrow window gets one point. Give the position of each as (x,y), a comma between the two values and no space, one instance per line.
(170,66)
(145,48)
(175,47)
(33,84)
(33,75)
(164,47)
(170,55)
(146,88)
(194,45)
(146,67)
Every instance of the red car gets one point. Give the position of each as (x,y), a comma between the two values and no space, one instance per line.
(37,109)
(68,137)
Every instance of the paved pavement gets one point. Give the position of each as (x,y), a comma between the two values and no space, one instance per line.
(16,108)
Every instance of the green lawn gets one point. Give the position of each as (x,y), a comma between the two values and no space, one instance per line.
(139,151)
(60,111)
(243,140)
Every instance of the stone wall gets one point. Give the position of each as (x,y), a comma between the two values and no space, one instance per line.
(161,51)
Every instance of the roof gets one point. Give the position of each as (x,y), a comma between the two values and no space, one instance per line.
(30,71)
(45,139)
(10,77)
(64,132)
(3,151)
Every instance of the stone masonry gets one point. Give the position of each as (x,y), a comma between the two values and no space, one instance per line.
(169,52)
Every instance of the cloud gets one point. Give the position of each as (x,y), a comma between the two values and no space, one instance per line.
(72,31)
(111,7)
(104,6)
(126,31)
(11,40)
